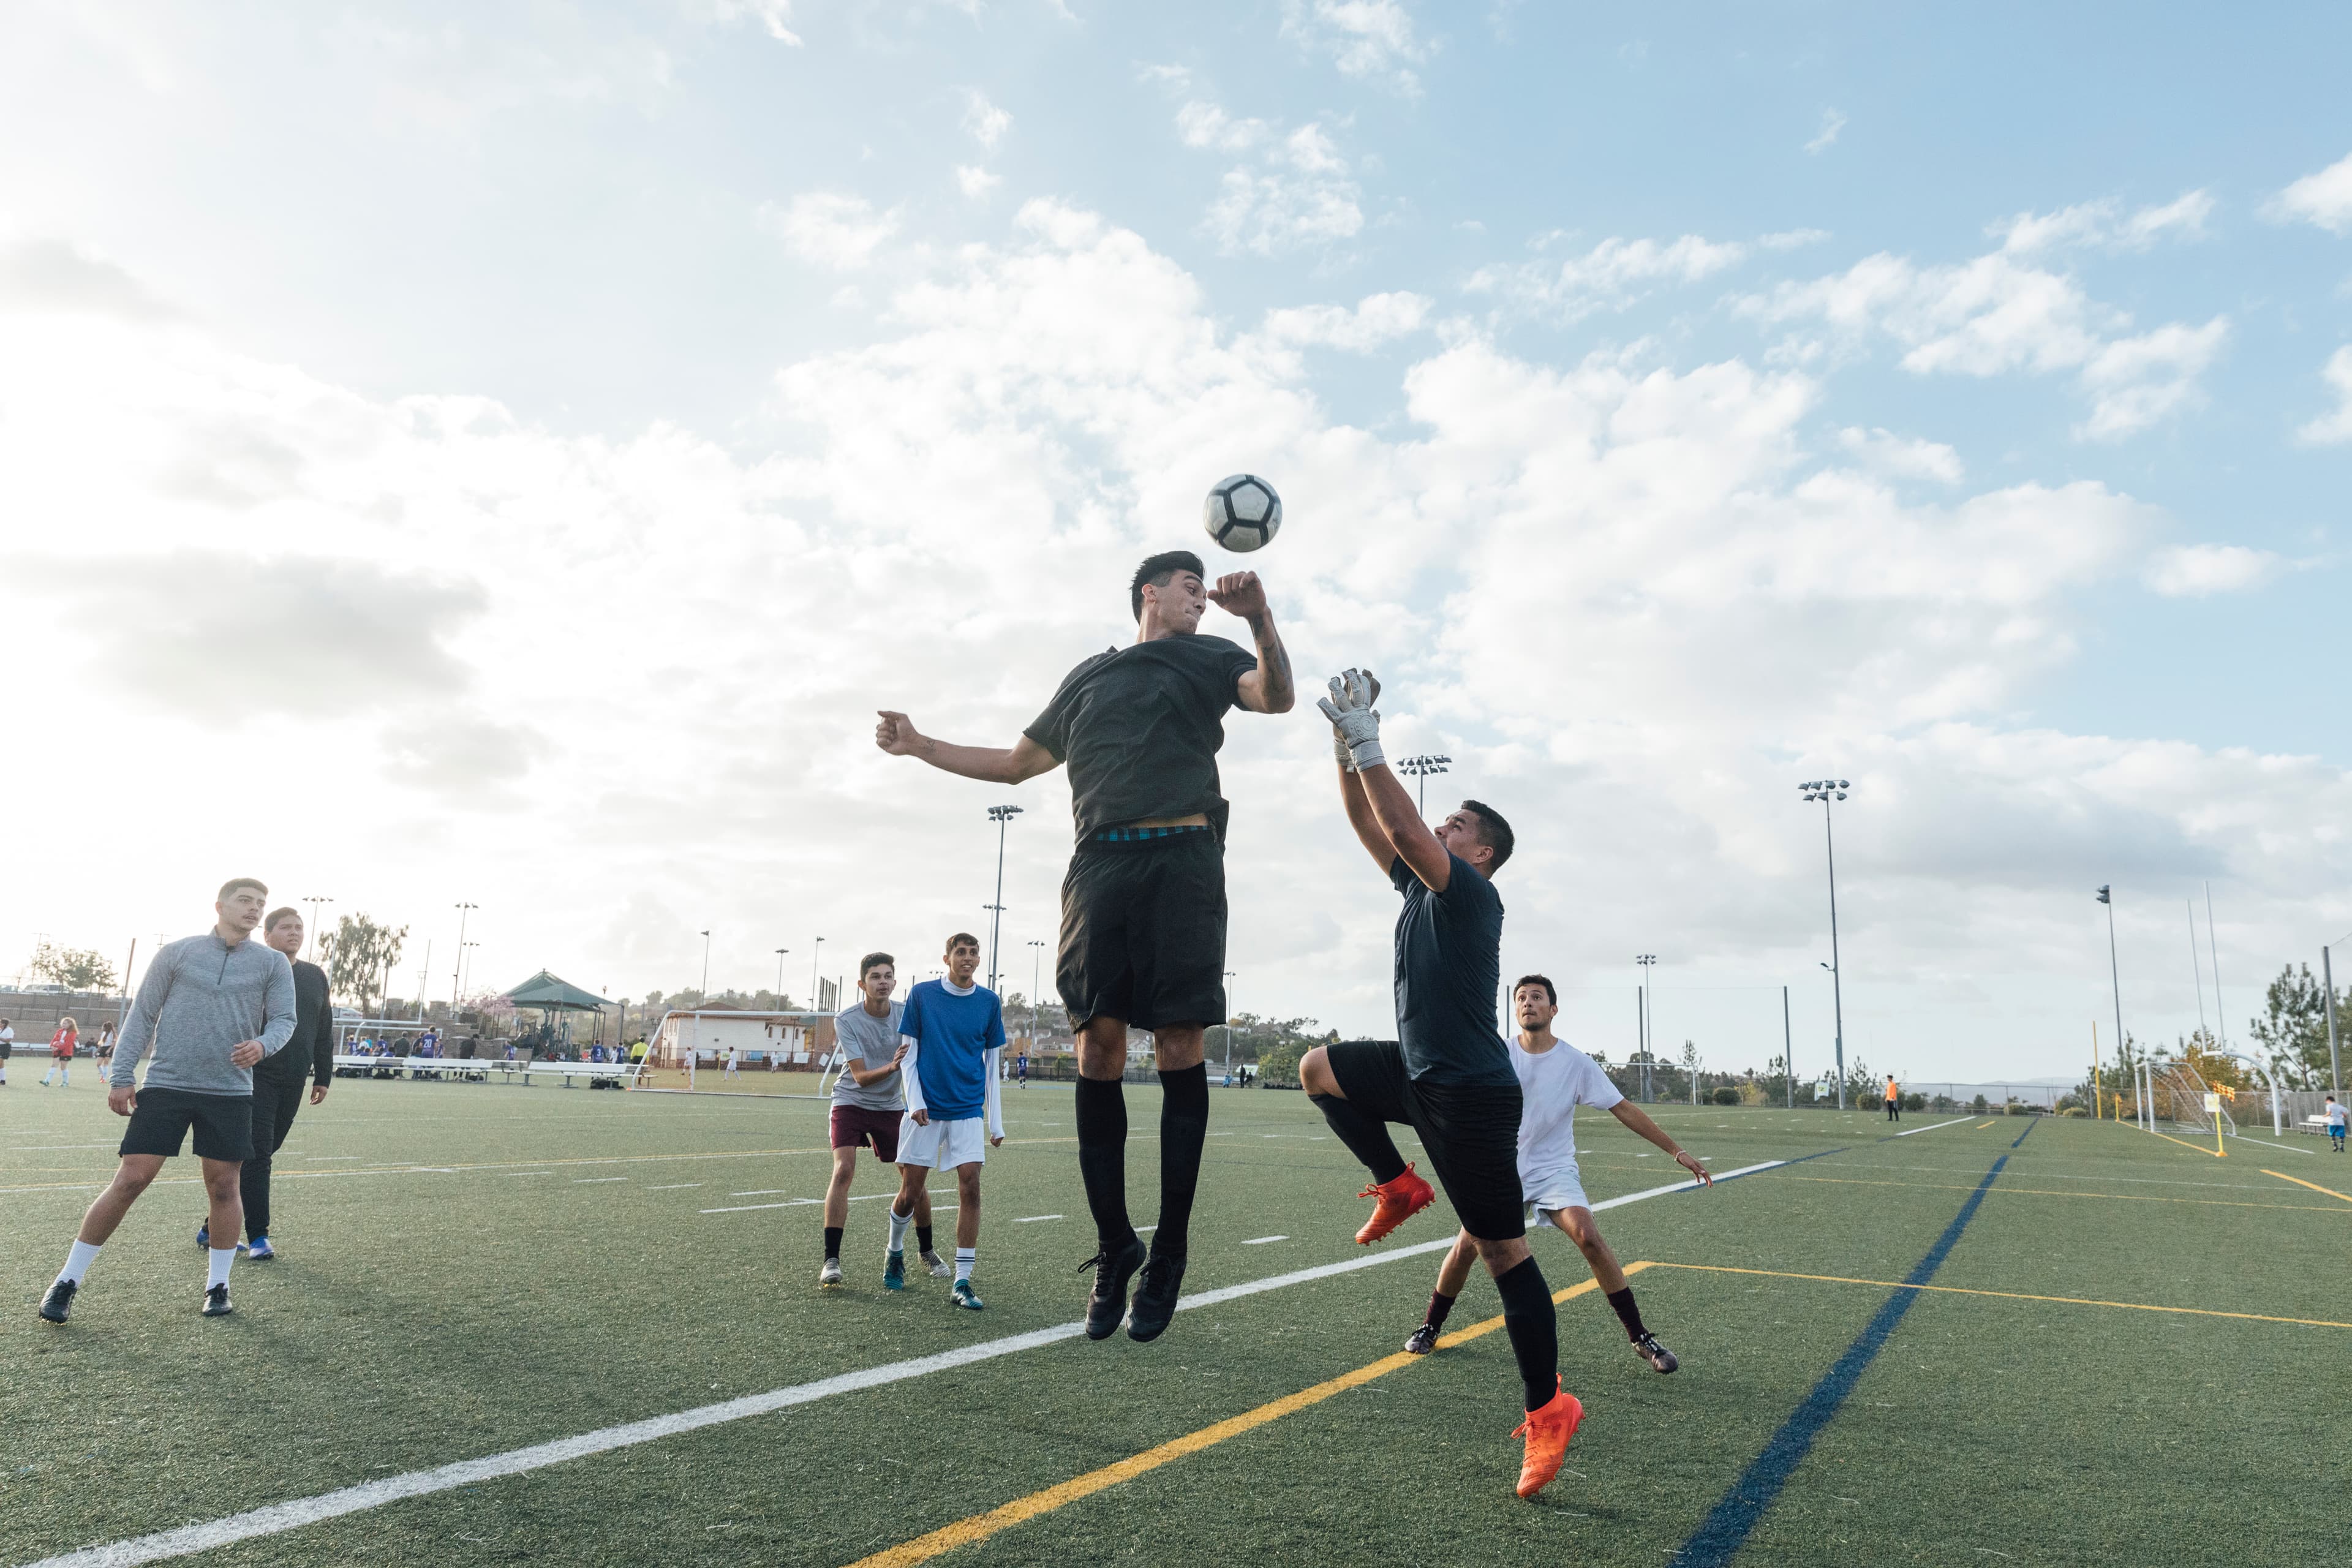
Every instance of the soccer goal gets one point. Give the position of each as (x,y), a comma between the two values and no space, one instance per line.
(2177,1094)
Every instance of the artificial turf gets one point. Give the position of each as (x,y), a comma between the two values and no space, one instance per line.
(472,1269)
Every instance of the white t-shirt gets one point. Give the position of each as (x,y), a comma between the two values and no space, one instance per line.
(1552,1086)
(2335,1114)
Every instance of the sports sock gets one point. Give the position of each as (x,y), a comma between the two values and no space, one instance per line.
(965,1258)
(1183,1129)
(898,1223)
(833,1241)
(1621,1301)
(1440,1304)
(218,1258)
(79,1260)
(1366,1139)
(923,1240)
(1534,1329)
(1102,1159)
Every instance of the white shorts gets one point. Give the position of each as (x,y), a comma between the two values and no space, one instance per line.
(943,1145)
(1550,1191)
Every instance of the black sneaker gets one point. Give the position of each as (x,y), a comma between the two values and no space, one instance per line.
(1648,1348)
(1107,1302)
(1155,1298)
(57,1305)
(216,1302)
(1422,1341)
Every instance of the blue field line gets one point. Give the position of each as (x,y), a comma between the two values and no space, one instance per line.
(1727,1526)
(2031,1123)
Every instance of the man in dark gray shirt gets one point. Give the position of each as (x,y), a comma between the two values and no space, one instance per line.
(277,1081)
(210,1008)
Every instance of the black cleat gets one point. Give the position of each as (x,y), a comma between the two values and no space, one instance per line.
(1422,1341)
(1648,1348)
(57,1305)
(1108,1302)
(1155,1298)
(216,1302)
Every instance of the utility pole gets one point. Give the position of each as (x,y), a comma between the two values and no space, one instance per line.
(1648,961)
(1003,816)
(1824,791)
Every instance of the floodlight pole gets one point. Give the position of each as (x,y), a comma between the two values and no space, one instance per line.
(1420,767)
(1788,1054)
(1649,961)
(2327,980)
(702,997)
(1036,970)
(816,955)
(2213,950)
(779,978)
(1823,790)
(457,970)
(1230,976)
(314,903)
(2115,975)
(1003,816)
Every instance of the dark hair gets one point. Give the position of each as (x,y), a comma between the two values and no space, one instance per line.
(870,960)
(961,939)
(1492,832)
(1156,570)
(1542,979)
(233,883)
(282,912)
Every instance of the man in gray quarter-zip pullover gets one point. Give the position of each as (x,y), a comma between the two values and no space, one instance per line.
(209,1008)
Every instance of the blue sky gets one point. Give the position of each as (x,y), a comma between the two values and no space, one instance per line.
(1957,388)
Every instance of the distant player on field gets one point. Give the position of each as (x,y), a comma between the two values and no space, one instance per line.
(866,1104)
(2335,1124)
(278,1081)
(1894,1099)
(1143,906)
(954,1031)
(61,1053)
(1447,1075)
(1555,1078)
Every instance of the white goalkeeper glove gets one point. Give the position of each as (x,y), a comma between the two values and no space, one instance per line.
(1355,726)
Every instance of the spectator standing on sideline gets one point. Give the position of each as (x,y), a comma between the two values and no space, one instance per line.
(1894,1099)
(61,1053)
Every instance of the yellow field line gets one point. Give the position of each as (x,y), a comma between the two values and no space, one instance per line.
(1981,1127)
(2315,1186)
(2058,1192)
(2185,1143)
(981,1526)
(2005,1295)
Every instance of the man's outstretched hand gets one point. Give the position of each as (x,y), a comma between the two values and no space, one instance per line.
(896,733)
(1349,708)
(1240,594)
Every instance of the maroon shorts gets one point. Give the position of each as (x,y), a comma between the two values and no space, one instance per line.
(854,1125)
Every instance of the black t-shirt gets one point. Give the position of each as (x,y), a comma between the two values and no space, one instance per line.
(1449,960)
(1140,726)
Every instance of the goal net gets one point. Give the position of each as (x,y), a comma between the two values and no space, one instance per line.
(2177,1094)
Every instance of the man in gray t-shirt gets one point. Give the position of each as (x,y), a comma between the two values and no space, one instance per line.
(867,1100)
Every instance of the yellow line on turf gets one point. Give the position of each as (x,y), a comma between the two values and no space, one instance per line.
(1981,1127)
(981,1526)
(2005,1295)
(2315,1186)
(2185,1143)
(2055,1193)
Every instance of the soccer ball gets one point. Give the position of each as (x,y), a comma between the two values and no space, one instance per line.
(1243,512)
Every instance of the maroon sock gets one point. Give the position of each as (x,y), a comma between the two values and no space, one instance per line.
(1627,1313)
(1440,1303)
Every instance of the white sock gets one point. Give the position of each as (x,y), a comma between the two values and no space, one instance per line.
(898,1224)
(79,1260)
(216,1270)
(965,1258)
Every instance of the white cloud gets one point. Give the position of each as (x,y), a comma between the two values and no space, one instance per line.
(1378,319)
(775,15)
(983,120)
(1202,124)
(832,228)
(976,183)
(1904,457)
(2336,426)
(1612,276)
(1832,123)
(1371,39)
(2104,224)
(1298,196)
(2194,571)
(2324,198)
(2134,382)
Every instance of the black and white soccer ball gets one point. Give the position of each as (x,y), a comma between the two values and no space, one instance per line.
(1243,512)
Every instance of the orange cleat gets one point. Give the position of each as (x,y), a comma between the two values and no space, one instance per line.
(1399,1200)
(1548,1431)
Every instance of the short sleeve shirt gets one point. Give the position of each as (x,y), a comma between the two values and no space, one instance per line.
(2336,1114)
(1140,727)
(869,1042)
(1449,960)
(952,1034)
(1552,1084)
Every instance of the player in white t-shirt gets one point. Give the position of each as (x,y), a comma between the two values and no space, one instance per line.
(1555,1078)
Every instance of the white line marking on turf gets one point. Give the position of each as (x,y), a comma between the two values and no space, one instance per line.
(760,1193)
(747,1208)
(278,1517)
(1262,1240)
(592,1181)
(1033,1219)
(1954,1122)
(673,1186)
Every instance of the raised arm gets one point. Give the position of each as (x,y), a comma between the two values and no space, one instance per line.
(1638,1121)
(1394,816)
(1023,760)
(1268,689)
(1369,832)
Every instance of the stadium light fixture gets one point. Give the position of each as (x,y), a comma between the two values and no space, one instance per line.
(1825,791)
(1003,816)
(1419,768)
(457,971)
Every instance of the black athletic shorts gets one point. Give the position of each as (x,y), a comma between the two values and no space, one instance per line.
(1143,930)
(1470,1131)
(161,1118)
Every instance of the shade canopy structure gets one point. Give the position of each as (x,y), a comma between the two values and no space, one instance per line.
(550,994)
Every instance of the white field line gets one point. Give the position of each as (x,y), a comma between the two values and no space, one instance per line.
(1954,1122)
(1034,1218)
(2268,1145)
(592,1181)
(278,1518)
(747,1208)
(1262,1240)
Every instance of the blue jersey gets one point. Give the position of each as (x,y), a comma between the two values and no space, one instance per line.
(953,1034)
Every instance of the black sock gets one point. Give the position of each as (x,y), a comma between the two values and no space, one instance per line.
(1183,1129)
(1621,1302)
(1440,1304)
(1534,1328)
(923,1239)
(833,1241)
(1366,1139)
(1102,1159)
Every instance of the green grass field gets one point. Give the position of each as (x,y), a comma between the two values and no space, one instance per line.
(469,1270)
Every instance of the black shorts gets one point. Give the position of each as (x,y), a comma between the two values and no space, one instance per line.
(161,1117)
(1470,1131)
(1143,930)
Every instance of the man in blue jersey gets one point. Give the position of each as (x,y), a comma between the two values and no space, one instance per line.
(954,1031)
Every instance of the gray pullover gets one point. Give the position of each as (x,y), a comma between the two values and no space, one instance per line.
(199,1000)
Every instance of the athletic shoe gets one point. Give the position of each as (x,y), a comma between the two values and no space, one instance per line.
(937,1265)
(1648,1348)
(204,1237)
(1399,1200)
(1155,1298)
(1107,1304)
(216,1302)
(57,1305)
(1422,1340)
(962,1295)
(261,1251)
(894,1272)
(1547,1431)
(830,1273)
